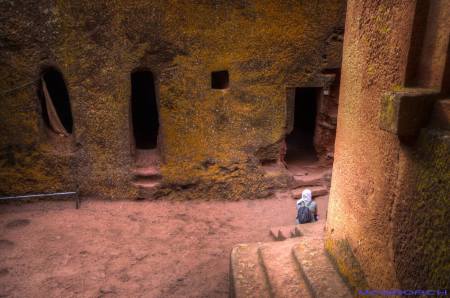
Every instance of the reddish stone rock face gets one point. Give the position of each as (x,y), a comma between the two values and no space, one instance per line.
(227,100)
(389,192)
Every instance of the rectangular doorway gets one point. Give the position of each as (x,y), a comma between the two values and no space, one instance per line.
(144,118)
(300,141)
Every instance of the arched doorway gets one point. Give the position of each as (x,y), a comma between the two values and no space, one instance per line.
(55,102)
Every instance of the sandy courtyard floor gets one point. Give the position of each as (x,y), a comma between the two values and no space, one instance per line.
(129,249)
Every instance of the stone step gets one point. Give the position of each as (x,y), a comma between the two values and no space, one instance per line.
(281,270)
(327,125)
(146,188)
(312,230)
(147,158)
(247,277)
(309,180)
(317,191)
(146,183)
(146,172)
(319,273)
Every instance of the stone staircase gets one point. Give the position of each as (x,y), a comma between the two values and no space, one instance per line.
(147,180)
(296,267)
(147,177)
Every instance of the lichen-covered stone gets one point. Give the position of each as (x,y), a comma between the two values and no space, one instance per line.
(421,214)
(209,139)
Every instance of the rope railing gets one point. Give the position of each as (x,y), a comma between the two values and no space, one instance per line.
(19,87)
(42,195)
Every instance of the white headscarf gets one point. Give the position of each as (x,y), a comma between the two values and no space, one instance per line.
(306,197)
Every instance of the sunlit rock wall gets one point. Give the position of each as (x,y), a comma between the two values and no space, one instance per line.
(208,138)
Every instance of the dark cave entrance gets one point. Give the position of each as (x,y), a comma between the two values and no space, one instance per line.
(144,110)
(55,102)
(300,142)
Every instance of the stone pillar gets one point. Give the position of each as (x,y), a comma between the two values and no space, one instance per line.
(365,169)
(387,225)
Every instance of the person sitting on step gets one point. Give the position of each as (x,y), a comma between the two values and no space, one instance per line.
(306,208)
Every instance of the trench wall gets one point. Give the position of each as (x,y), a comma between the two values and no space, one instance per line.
(209,139)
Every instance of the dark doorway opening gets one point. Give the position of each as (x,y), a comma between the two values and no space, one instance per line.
(55,102)
(220,79)
(300,142)
(144,110)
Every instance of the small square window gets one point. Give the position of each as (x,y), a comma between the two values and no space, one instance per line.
(220,79)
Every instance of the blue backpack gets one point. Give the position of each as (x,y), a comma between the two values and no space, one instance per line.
(304,214)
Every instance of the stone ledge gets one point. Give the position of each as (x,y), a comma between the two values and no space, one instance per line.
(406,111)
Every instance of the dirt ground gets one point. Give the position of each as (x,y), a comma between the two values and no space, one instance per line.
(129,249)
